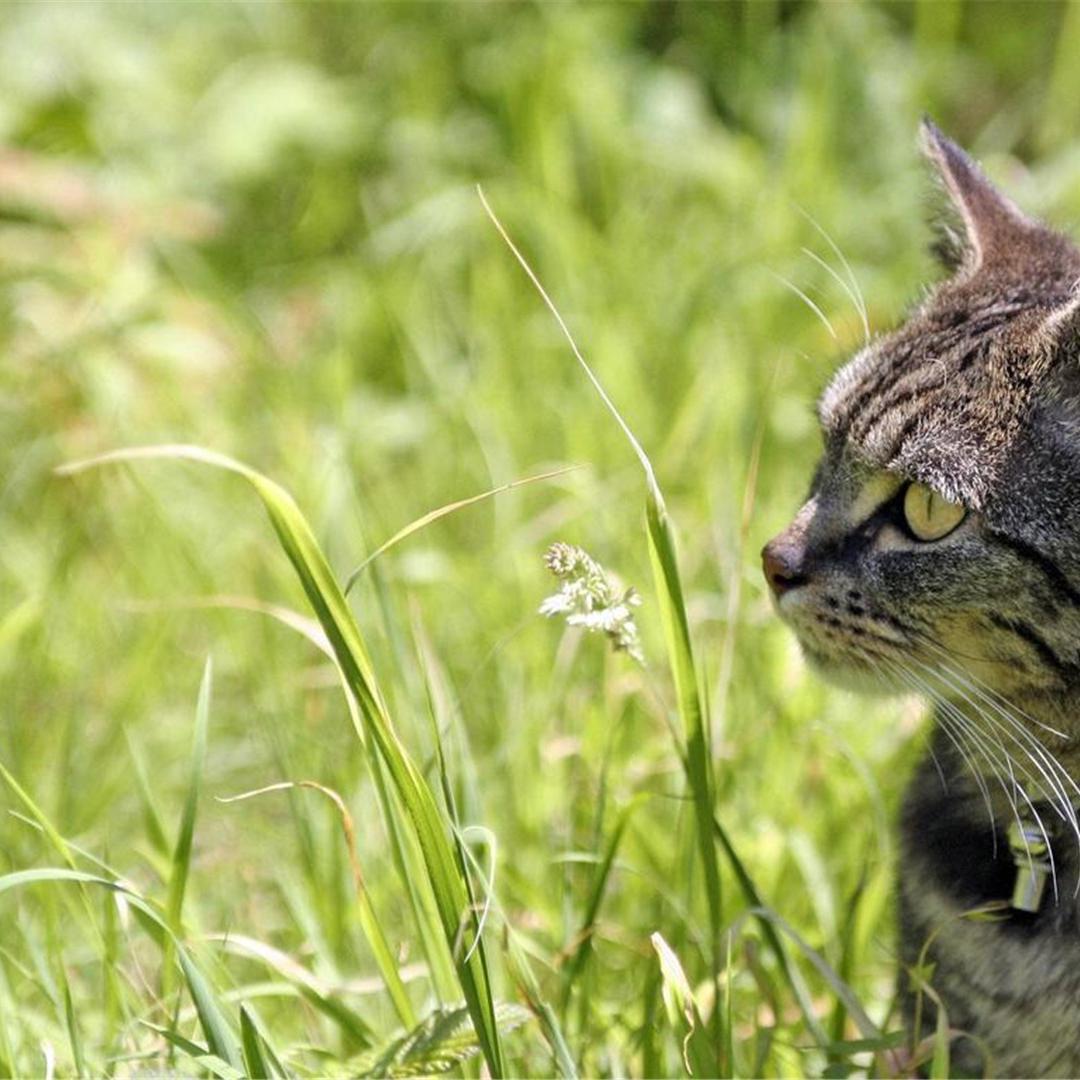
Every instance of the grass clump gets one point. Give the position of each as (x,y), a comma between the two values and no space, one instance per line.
(258,232)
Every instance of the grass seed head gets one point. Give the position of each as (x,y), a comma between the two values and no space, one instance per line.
(592,598)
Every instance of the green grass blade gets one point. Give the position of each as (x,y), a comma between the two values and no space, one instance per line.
(321,996)
(443,511)
(219,1036)
(251,1042)
(181,862)
(939,1063)
(215,1065)
(577,962)
(74,1039)
(369,921)
(698,760)
(527,985)
(441,716)
(775,943)
(683,1011)
(332,610)
(59,844)
(408,859)
(155,830)
(181,858)
(858,1014)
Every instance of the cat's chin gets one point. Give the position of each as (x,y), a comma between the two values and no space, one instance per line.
(850,674)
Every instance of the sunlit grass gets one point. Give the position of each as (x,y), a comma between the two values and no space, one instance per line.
(485,842)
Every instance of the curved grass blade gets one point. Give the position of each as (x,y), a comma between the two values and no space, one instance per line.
(251,1042)
(369,921)
(766,920)
(219,1036)
(332,610)
(73,1030)
(577,962)
(403,847)
(683,1009)
(199,1054)
(321,996)
(181,858)
(443,511)
(662,554)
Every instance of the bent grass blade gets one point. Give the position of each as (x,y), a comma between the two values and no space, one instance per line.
(444,511)
(332,610)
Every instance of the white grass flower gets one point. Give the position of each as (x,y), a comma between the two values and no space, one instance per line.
(591,598)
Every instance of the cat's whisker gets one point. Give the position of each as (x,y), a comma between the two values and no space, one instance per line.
(855,300)
(808,302)
(950,716)
(953,655)
(981,737)
(1021,734)
(1057,800)
(1005,709)
(860,302)
(923,689)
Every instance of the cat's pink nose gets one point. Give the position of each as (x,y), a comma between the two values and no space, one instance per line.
(782,563)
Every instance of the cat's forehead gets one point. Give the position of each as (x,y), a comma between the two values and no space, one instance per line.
(944,398)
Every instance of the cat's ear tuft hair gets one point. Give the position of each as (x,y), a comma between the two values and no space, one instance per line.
(990,225)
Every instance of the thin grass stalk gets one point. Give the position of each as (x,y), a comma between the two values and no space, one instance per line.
(662,554)
(181,858)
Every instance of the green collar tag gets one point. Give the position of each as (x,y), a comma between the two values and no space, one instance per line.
(1031,855)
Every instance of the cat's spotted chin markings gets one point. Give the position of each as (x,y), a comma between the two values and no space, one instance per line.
(939,553)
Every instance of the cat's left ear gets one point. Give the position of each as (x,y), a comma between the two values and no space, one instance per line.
(993,227)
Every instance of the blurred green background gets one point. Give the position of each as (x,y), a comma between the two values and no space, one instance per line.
(255,227)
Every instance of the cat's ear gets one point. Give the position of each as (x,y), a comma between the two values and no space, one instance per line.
(991,225)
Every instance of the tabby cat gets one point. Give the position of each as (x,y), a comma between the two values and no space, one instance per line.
(939,551)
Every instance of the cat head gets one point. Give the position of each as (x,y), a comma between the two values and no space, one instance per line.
(942,530)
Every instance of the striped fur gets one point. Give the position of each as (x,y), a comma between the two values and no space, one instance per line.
(976,396)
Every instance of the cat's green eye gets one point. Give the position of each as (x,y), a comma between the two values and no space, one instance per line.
(928,515)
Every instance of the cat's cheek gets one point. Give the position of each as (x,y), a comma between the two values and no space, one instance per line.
(849,676)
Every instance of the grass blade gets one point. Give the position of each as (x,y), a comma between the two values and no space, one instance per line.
(251,1043)
(317,993)
(443,511)
(698,758)
(73,1031)
(683,1010)
(211,1062)
(369,921)
(584,936)
(219,1037)
(181,859)
(221,1041)
(772,938)
(332,610)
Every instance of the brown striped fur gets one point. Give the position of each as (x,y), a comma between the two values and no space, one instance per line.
(976,396)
